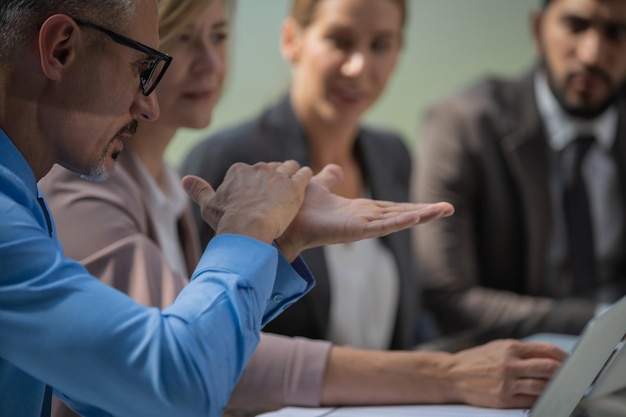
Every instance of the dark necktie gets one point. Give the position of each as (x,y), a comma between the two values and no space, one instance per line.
(581,253)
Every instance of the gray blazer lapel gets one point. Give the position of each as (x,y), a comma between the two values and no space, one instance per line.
(379,179)
(619,147)
(526,149)
(284,134)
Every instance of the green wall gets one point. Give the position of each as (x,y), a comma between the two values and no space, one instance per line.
(449,44)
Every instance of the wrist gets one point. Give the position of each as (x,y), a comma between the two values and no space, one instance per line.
(249,226)
(287,248)
(448,378)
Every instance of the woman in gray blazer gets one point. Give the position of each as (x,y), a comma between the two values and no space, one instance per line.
(366,295)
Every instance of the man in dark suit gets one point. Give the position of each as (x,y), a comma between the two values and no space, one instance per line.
(523,161)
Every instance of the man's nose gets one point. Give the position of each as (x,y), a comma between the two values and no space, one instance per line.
(146,107)
(591,48)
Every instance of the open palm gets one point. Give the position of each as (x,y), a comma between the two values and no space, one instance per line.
(326,218)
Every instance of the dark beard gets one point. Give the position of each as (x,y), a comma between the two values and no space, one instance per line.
(581,111)
(131,128)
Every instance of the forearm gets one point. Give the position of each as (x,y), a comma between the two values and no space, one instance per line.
(367,377)
(501,314)
(486,307)
(283,371)
(501,374)
(153,357)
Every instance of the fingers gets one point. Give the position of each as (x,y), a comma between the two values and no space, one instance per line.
(287,168)
(426,212)
(534,360)
(538,368)
(201,193)
(400,216)
(329,176)
(292,170)
(532,387)
(532,372)
(509,389)
(198,189)
(437,210)
(541,350)
(518,401)
(302,176)
(507,373)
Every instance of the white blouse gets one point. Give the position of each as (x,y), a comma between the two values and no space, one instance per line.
(364,284)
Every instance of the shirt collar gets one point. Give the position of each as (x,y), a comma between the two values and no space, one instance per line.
(13,160)
(563,128)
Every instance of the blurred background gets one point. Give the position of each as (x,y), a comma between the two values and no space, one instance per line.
(449,44)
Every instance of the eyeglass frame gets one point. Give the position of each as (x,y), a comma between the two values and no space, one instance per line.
(156,56)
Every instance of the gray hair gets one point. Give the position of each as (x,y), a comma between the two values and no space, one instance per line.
(19,19)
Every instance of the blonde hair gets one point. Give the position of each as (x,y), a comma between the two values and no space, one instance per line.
(174,15)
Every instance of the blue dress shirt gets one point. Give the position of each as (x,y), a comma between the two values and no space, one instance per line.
(103,353)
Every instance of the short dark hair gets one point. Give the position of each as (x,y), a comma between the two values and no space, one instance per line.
(19,18)
(545,4)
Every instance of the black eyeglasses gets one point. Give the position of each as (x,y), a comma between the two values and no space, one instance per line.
(149,78)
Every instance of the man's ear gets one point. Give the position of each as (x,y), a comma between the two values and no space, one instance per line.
(536,19)
(290,40)
(57,44)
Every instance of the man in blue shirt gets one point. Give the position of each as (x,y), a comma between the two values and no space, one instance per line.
(72,85)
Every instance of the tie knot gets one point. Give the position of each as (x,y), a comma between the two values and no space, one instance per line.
(582,143)
(573,155)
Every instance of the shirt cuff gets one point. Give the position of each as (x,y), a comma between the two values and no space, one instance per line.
(292,282)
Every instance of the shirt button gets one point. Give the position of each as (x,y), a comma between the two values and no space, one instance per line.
(277,298)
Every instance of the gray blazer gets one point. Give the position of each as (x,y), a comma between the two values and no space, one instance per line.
(276,135)
(485,151)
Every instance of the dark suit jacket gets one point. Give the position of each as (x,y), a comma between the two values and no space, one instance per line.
(276,135)
(485,151)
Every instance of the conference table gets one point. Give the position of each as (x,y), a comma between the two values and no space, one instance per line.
(613,405)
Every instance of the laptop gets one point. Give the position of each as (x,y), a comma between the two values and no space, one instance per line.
(612,378)
(593,367)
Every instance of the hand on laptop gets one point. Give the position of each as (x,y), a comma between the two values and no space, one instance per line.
(504,373)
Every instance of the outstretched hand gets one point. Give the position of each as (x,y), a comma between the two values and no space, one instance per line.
(326,218)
